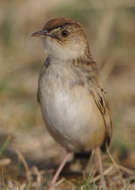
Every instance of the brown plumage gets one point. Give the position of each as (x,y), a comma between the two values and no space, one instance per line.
(90,69)
(73,102)
(59,22)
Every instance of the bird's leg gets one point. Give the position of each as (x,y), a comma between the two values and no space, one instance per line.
(58,171)
(98,160)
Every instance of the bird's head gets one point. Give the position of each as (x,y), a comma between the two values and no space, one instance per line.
(64,38)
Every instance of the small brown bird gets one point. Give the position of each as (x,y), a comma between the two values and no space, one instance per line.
(72,100)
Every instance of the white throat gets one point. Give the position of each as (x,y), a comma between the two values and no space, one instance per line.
(55,50)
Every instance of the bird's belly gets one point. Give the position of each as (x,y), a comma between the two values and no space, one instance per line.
(73,118)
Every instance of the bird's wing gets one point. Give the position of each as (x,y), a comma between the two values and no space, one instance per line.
(89,74)
(103,106)
(42,71)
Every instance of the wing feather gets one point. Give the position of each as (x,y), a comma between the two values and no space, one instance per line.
(103,106)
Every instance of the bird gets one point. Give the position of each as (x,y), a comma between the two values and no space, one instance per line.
(73,102)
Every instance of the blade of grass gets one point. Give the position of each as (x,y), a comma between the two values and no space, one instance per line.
(128,183)
(26,187)
(5,187)
(5,144)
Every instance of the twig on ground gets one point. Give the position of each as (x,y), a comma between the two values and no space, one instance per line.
(28,173)
(106,172)
(117,166)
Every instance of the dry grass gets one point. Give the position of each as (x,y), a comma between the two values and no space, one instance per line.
(111,31)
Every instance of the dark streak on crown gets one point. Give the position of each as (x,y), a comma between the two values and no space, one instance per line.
(59,22)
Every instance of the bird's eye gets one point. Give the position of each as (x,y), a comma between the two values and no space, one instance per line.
(64,33)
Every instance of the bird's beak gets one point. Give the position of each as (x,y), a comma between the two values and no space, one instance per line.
(40,33)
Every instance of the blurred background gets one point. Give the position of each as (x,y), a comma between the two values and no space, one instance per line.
(110,27)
